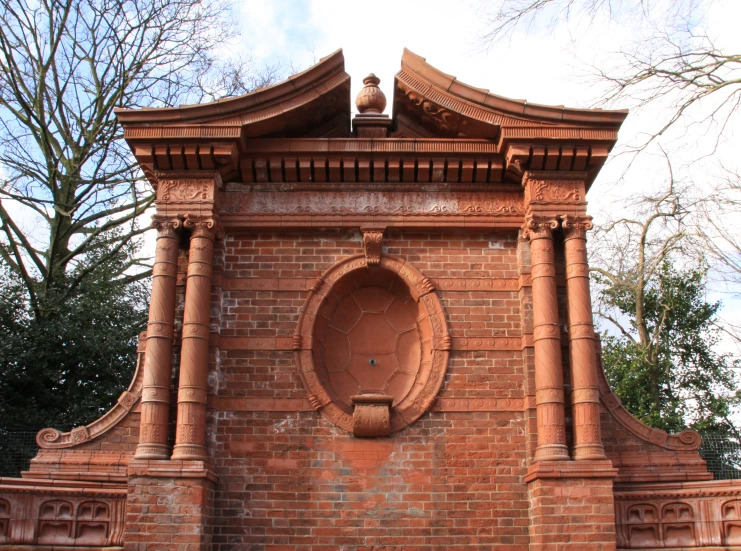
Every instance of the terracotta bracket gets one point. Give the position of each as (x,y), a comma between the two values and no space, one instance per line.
(372,243)
(371,414)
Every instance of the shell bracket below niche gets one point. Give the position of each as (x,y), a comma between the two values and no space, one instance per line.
(371,415)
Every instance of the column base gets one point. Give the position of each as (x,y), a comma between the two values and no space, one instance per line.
(589,452)
(188,452)
(551,452)
(150,451)
(572,506)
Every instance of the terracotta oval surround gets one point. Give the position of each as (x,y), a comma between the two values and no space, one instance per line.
(372,329)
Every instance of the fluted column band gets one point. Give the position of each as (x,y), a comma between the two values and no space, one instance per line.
(583,362)
(155,404)
(549,393)
(190,434)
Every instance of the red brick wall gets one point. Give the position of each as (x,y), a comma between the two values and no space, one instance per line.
(288,479)
(572,515)
(168,514)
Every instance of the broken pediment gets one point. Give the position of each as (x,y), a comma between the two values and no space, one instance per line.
(441,131)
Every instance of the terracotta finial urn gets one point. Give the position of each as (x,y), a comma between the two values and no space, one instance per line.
(371,99)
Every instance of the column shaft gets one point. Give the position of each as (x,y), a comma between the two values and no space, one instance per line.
(584,385)
(190,436)
(549,393)
(155,405)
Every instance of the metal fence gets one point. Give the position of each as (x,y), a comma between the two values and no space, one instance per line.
(18,446)
(723,456)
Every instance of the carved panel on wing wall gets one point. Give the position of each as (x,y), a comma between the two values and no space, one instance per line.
(372,329)
(731,516)
(50,516)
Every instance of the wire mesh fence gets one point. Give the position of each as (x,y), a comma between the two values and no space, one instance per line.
(18,446)
(723,455)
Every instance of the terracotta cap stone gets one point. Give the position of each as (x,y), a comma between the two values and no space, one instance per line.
(371,99)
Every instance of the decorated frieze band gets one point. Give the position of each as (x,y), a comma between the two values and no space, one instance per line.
(376,203)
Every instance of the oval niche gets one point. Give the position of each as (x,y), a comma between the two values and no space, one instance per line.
(375,330)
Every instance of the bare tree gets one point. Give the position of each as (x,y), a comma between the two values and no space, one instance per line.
(719,230)
(674,62)
(627,255)
(675,73)
(660,331)
(67,180)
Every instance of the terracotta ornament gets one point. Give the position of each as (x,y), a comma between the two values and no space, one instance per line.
(402,390)
(549,391)
(584,385)
(370,98)
(373,244)
(160,335)
(190,435)
(371,414)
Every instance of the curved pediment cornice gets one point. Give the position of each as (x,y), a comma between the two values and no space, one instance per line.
(442,104)
(314,98)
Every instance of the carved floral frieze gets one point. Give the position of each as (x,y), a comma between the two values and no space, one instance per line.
(373,203)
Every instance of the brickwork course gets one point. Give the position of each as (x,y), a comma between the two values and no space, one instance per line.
(369,333)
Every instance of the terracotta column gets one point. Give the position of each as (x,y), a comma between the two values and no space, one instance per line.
(584,386)
(155,405)
(190,436)
(549,394)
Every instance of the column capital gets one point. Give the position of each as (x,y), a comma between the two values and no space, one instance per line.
(166,226)
(539,227)
(576,227)
(206,226)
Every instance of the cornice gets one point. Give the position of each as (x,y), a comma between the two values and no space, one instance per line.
(447,92)
(318,79)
